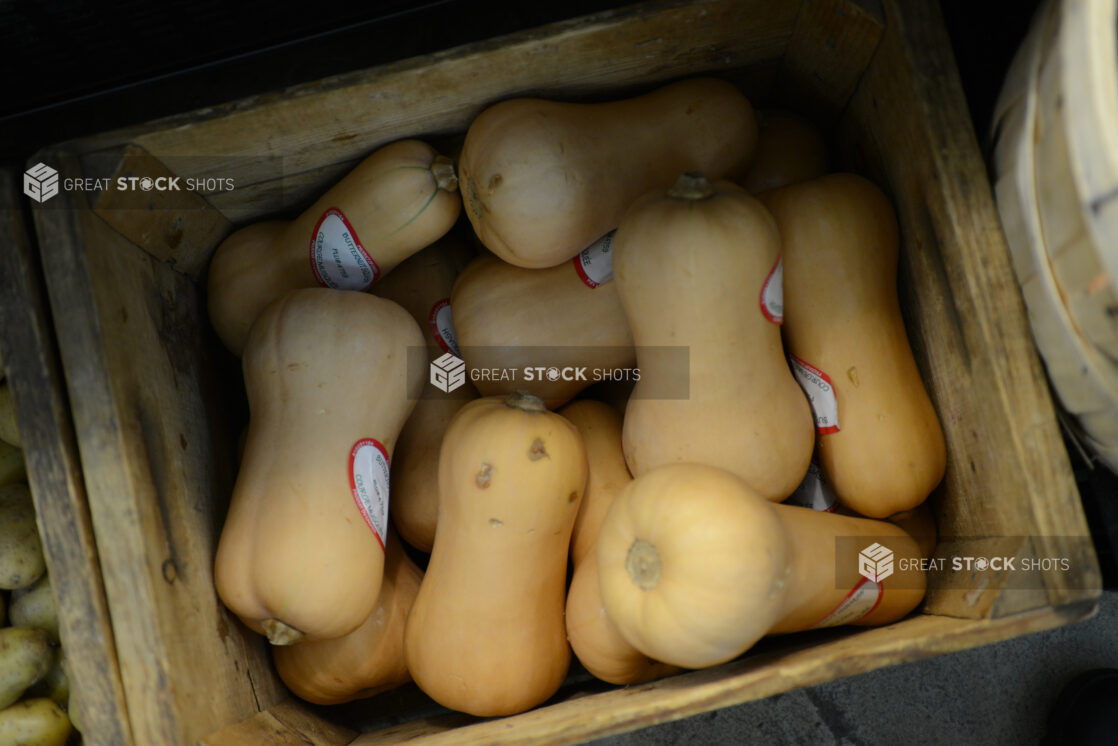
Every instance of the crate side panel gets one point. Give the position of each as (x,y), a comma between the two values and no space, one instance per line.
(314,126)
(1008,472)
(287,724)
(157,464)
(826,657)
(55,477)
(831,45)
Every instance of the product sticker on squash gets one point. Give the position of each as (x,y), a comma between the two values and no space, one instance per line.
(862,599)
(772,293)
(338,259)
(820,392)
(368,479)
(594,264)
(442,327)
(814,492)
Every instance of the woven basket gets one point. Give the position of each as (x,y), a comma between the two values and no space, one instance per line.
(1056,182)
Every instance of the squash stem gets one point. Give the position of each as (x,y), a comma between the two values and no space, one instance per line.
(691,185)
(443,169)
(524,401)
(281,634)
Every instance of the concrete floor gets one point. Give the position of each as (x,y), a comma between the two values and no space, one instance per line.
(996,694)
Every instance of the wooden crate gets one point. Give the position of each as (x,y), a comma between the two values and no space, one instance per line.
(132,421)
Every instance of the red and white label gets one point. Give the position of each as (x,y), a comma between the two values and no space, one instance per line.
(338,259)
(862,599)
(814,492)
(594,264)
(368,480)
(442,327)
(820,392)
(772,293)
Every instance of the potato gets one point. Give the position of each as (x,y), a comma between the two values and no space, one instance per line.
(21,551)
(9,428)
(55,685)
(12,467)
(34,607)
(26,656)
(34,722)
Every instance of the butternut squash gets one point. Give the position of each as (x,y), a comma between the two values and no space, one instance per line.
(595,640)
(301,553)
(542,180)
(398,200)
(368,660)
(699,267)
(789,150)
(695,567)
(823,593)
(422,285)
(815,493)
(551,327)
(881,446)
(486,635)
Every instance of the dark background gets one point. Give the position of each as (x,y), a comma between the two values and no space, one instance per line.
(74,68)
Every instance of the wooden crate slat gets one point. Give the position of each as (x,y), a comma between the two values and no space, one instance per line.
(130,329)
(963,303)
(55,478)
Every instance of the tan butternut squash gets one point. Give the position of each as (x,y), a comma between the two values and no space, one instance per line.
(556,331)
(881,446)
(422,285)
(595,640)
(695,567)
(368,660)
(815,493)
(486,635)
(699,267)
(398,200)
(824,593)
(789,150)
(301,553)
(542,180)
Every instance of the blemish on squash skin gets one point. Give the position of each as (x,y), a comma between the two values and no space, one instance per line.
(496,522)
(852,374)
(494,182)
(485,476)
(537,451)
(572,497)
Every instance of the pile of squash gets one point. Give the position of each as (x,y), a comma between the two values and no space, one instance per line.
(660,530)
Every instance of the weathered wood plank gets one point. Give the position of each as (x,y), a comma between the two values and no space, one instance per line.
(27,345)
(1008,472)
(157,459)
(286,724)
(831,45)
(176,226)
(801,662)
(343,118)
